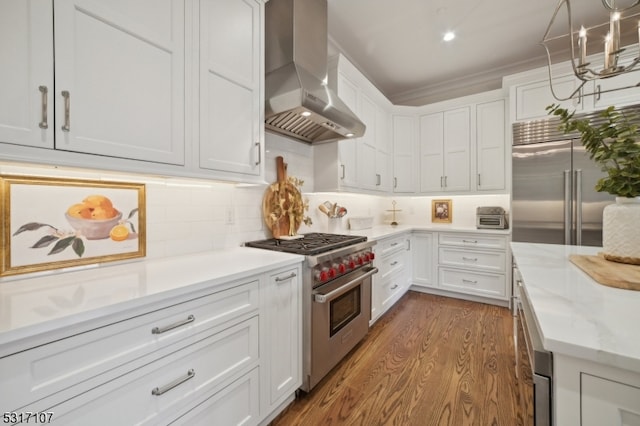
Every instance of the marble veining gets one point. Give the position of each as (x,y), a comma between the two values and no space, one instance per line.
(575,315)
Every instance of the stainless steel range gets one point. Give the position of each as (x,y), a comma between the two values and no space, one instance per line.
(336,296)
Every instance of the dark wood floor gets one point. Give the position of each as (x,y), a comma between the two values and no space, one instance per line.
(429,361)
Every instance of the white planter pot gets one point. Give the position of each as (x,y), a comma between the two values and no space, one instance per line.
(621,231)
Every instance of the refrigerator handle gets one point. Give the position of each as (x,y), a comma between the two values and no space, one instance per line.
(578,207)
(567,207)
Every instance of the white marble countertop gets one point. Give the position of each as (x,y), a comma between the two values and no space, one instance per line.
(35,306)
(575,315)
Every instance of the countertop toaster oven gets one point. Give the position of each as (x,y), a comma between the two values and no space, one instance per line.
(491,218)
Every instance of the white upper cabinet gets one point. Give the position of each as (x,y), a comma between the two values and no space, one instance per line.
(490,148)
(366,145)
(26,72)
(230,72)
(445,144)
(405,144)
(119,78)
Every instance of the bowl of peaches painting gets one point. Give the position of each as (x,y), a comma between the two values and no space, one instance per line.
(95,218)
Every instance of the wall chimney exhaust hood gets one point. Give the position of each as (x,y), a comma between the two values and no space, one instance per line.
(298,101)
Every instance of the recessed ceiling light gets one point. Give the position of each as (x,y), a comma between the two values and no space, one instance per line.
(448,36)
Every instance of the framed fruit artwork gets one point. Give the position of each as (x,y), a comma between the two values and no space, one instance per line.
(52,223)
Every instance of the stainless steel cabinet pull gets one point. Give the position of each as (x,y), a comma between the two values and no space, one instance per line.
(67,106)
(162,389)
(288,277)
(394,287)
(472,259)
(44,123)
(441,180)
(160,330)
(598,92)
(408,244)
(394,263)
(470,241)
(377,179)
(445,181)
(478,179)
(343,172)
(469,281)
(395,182)
(259,154)
(394,244)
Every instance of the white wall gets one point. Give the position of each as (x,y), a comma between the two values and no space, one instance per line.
(187,216)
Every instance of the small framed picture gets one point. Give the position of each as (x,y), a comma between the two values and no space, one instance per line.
(441,211)
(52,223)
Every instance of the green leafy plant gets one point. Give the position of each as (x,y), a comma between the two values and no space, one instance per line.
(613,144)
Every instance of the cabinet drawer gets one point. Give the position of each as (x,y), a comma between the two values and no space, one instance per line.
(391,289)
(164,389)
(391,245)
(237,404)
(606,402)
(117,348)
(473,240)
(476,259)
(483,284)
(391,264)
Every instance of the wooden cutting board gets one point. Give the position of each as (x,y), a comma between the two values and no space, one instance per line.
(279,204)
(605,272)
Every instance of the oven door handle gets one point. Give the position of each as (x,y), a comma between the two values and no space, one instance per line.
(324,298)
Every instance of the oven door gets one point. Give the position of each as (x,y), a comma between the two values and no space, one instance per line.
(340,314)
(533,366)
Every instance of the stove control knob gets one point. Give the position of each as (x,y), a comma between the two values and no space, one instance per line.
(372,255)
(340,268)
(352,263)
(322,275)
(332,272)
(360,260)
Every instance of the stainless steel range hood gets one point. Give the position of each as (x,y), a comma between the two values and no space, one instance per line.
(298,102)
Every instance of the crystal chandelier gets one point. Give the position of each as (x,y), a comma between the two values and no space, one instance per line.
(583,70)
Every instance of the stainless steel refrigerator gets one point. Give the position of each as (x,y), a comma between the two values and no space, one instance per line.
(553,195)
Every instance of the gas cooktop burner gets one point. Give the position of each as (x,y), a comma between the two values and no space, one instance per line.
(310,245)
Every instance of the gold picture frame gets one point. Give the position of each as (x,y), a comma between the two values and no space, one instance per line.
(441,211)
(53,223)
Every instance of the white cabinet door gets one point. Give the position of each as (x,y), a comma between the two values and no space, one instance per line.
(490,139)
(26,74)
(284,322)
(457,144)
(366,145)
(348,92)
(119,70)
(230,82)
(423,254)
(533,98)
(405,140)
(431,152)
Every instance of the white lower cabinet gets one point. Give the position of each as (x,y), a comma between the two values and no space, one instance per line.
(231,355)
(471,265)
(393,259)
(588,393)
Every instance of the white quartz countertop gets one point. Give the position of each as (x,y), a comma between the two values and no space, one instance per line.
(35,306)
(575,315)
(384,231)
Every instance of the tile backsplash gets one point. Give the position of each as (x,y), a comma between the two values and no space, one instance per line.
(187,215)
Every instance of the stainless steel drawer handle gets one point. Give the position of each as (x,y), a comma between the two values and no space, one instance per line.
(470,241)
(394,263)
(394,287)
(259,154)
(67,107)
(45,101)
(469,281)
(343,171)
(162,389)
(394,244)
(470,259)
(288,277)
(160,330)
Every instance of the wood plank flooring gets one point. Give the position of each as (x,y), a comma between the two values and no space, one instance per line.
(430,360)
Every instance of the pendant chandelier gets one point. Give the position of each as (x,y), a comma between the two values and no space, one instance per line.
(611,47)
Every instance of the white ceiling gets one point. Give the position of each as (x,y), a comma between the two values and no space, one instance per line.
(398,44)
